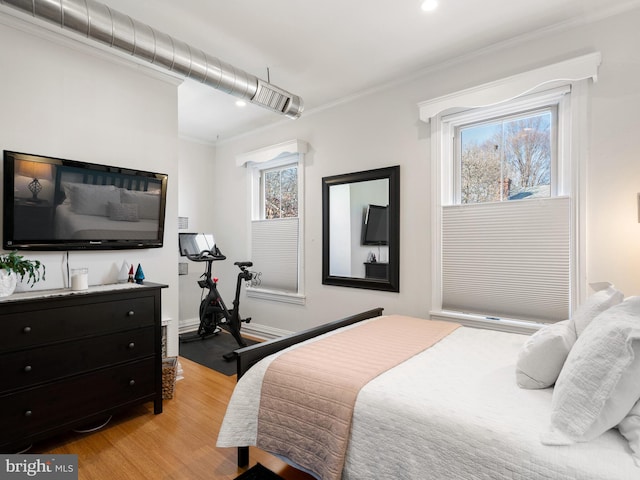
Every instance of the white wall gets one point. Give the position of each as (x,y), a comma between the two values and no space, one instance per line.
(66,100)
(198,204)
(382,129)
(342,231)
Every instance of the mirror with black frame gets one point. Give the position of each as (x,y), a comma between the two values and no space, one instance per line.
(361,229)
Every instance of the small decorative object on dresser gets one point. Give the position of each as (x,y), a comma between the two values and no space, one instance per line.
(139,275)
(123,274)
(13,265)
(79,278)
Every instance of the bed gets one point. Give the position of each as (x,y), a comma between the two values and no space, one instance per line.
(105,206)
(452,411)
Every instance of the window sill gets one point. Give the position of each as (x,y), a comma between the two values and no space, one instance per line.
(477,321)
(276,296)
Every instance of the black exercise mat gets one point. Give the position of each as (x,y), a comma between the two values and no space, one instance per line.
(209,352)
(259,472)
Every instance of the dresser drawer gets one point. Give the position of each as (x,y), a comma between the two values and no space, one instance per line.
(29,328)
(29,367)
(53,405)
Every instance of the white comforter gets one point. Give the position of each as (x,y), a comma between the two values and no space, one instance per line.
(69,225)
(451,412)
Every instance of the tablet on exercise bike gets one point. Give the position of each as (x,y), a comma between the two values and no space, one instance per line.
(194,243)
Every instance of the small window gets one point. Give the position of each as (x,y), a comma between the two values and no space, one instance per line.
(280,192)
(276,196)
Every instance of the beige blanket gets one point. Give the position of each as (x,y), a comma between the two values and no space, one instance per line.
(308,393)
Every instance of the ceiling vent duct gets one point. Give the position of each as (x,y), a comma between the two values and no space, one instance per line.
(98,22)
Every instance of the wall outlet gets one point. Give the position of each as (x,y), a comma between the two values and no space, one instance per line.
(183,268)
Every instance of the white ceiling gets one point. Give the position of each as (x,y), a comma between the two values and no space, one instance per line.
(327,50)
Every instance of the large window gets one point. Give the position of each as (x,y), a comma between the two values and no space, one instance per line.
(507,181)
(505,231)
(276,187)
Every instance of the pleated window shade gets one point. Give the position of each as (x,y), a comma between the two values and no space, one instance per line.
(508,259)
(274,247)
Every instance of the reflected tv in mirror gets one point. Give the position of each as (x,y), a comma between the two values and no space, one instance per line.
(375,228)
(57,204)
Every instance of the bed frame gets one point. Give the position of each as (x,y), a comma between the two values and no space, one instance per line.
(96,177)
(249,356)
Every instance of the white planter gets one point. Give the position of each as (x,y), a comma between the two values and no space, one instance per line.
(8,282)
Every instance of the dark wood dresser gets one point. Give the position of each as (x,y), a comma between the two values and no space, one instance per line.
(70,359)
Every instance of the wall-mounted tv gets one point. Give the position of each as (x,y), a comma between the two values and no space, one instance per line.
(375,227)
(57,204)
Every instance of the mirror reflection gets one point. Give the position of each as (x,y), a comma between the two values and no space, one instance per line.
(361,229)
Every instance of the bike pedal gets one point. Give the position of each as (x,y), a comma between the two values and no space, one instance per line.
(246,320)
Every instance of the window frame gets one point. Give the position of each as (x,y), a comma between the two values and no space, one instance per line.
(560,161)
(575,73)
(275,156)
(263,190)
(551,110)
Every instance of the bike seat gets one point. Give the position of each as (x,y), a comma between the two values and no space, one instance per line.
(244,264)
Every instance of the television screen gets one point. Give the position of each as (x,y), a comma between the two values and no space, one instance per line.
(375,228)
(57,204)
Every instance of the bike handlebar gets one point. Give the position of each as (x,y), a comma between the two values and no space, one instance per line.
(206,256)
(214,255)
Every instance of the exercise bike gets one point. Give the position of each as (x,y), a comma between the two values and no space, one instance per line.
(214,314)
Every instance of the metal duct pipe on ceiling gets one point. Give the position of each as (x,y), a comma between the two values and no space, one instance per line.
(98,22)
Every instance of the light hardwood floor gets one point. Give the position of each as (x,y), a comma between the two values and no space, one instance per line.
(177,444)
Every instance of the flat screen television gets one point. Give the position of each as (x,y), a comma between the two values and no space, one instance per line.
(57,204)
(375,228)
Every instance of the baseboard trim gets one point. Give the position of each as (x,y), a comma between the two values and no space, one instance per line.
(260,332)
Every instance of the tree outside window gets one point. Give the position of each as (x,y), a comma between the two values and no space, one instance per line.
(506,159)
(281,192)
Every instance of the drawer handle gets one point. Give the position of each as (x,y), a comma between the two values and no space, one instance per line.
(28,413)
(130,313)
(132,382)
(131,346)
(28,368)
(26,330)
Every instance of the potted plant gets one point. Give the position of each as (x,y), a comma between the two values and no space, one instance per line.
(13,266)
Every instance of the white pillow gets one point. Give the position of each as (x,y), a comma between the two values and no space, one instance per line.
(598,384)
(67,188)
(148,203)
(606,296)
(543,354)
(630,428)
(93,199)
(125,212)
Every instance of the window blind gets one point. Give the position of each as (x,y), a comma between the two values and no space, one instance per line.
(508,259)
(274,248)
